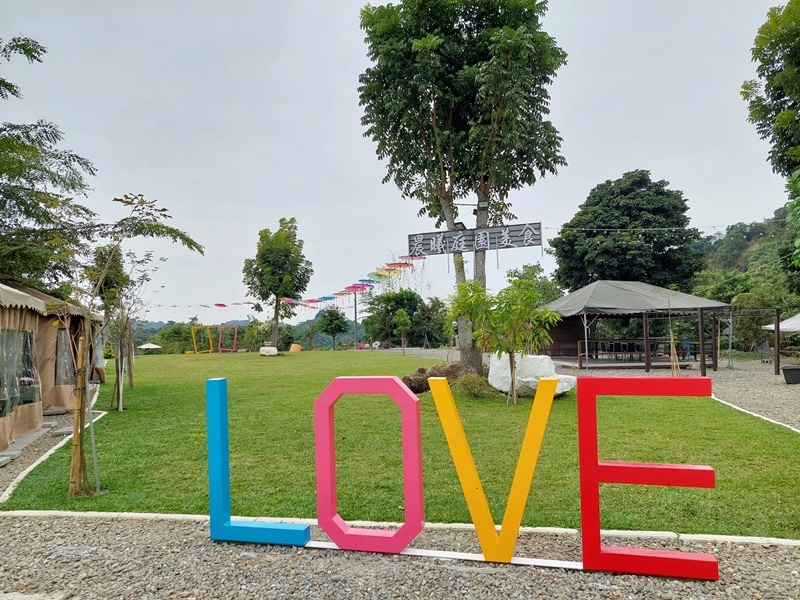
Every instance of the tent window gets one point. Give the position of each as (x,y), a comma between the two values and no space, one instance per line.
(11,368)
(65,362)
(29,376)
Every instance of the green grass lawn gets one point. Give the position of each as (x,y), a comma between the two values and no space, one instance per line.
(153,455)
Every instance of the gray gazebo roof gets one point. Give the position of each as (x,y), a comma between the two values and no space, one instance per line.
(629,297)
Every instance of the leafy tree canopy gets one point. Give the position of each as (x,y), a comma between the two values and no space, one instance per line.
(509,322)
(38,181)
(427,319)
(279,270)
(44,232)
(547,289)
(402,325)
(629,229)
(333,323)
(456,100)
(773,98)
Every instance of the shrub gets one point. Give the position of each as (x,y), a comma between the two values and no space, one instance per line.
(474,385)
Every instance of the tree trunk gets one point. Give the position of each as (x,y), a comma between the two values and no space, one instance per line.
(275,319)
(129,350)
(334,342)
(78,476)
(481,221)
(512,363)
(403,340)
(471,359)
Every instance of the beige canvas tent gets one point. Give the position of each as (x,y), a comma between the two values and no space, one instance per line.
(57,335)
(20,394)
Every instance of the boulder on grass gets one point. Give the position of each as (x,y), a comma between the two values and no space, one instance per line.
(268,351)
(450,370)
(529,370)
(417,382)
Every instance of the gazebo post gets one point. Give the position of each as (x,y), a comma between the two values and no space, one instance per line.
(701,330)
(646,324)
(776,344)
(714,340)
(585,339)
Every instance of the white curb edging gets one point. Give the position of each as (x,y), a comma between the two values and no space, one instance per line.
(688,537)
(744,410)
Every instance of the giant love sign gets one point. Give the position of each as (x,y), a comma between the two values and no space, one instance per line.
(495,547)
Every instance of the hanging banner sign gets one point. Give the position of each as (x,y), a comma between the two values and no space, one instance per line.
(519,235)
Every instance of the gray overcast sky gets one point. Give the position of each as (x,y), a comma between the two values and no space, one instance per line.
(235,114)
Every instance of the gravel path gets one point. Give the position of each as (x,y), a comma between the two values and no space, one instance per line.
(71,557)
(33,451)
(57,557)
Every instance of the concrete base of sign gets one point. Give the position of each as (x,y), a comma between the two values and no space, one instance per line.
(529,370)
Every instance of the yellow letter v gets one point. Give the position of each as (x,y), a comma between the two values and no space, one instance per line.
(495,548)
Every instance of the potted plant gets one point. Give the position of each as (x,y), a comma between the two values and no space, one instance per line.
(791,373)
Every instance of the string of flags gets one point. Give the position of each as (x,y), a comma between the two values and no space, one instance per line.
(380,276)
(214,305)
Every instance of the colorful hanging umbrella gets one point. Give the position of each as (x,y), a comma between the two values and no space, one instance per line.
(388,272)
(220,305)
(368,281)
(399,265)
(377,276)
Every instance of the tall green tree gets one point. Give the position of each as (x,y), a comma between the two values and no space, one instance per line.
(629,229)
(509,322)
(333,323)
(456,101)
(773,98)
(548,289)
(42,228)
(402,325)
(382,308)
(118,282)
(793,188)
(428,324)
(279,270)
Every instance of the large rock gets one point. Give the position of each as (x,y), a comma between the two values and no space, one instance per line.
(418,382)
(450,370)
(529,370)
(268,351)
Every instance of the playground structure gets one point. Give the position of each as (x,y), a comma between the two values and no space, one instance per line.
(222,327)
(207,329)
(201,340)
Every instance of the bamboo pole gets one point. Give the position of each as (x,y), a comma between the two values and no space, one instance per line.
(673,355)
(76,471)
